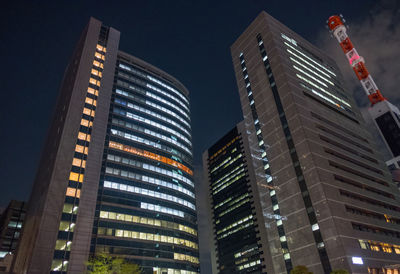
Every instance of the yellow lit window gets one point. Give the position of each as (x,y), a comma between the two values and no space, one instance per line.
(94,82)
(63,245)
(80,149)
(73,176)
(397,250)
(119,233)
(98,64)
(68,208)
(84,137)
(66,226)
(93,91)
(96,72)
(128,218)
(374,247)
(86,123)
(78,162)
(387,249)
(90,101)
(88,112)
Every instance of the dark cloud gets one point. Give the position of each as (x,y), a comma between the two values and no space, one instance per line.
(377,38)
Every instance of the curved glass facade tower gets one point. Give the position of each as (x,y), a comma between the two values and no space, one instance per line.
(116,172)
(146,204)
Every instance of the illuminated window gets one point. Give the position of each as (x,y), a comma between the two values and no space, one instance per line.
(147,221)
(184,257)
(374,247)
(90,101)
(363,245)
(78,162)
(70,208)
(99,56)
(80,149)
(88,112)
(66,226)
(59,265)
(98,64)
(86,123)
(155,237)
(63,245)
(101,48)
(84,137)
(150,155)
(76,177)
(93,91)
(387,249)
(94,82)
(73,192)
(96,72)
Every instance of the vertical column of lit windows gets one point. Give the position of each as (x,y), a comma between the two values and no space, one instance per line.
(76,175)
(296,164)
(264,159)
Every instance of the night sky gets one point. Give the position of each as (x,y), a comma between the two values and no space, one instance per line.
(188,39)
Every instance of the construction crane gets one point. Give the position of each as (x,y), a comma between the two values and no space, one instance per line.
(338,29)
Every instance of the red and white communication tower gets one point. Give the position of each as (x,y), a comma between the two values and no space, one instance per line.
(336,26)
(385,115)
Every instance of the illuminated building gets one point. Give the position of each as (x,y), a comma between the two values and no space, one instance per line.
(11,222)
(340,206)
(239,239)
(116,173)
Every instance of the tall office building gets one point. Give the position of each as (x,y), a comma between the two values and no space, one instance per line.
(336,203)
(11,222)
(116,171)
(238,245)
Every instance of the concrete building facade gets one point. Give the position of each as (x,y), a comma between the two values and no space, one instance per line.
(338,206)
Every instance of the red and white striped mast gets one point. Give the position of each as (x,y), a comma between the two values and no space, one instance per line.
(337,28)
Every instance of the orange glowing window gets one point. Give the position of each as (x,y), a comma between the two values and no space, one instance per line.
(73,176)
(96,72)
(78,162)
(86,123)
(93,91)
(84,137)
(101,48)
(150,155)
(99,55)
(73,192)
(80,149)
(90,101)
(88,112)
(98,64)
(94,82)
